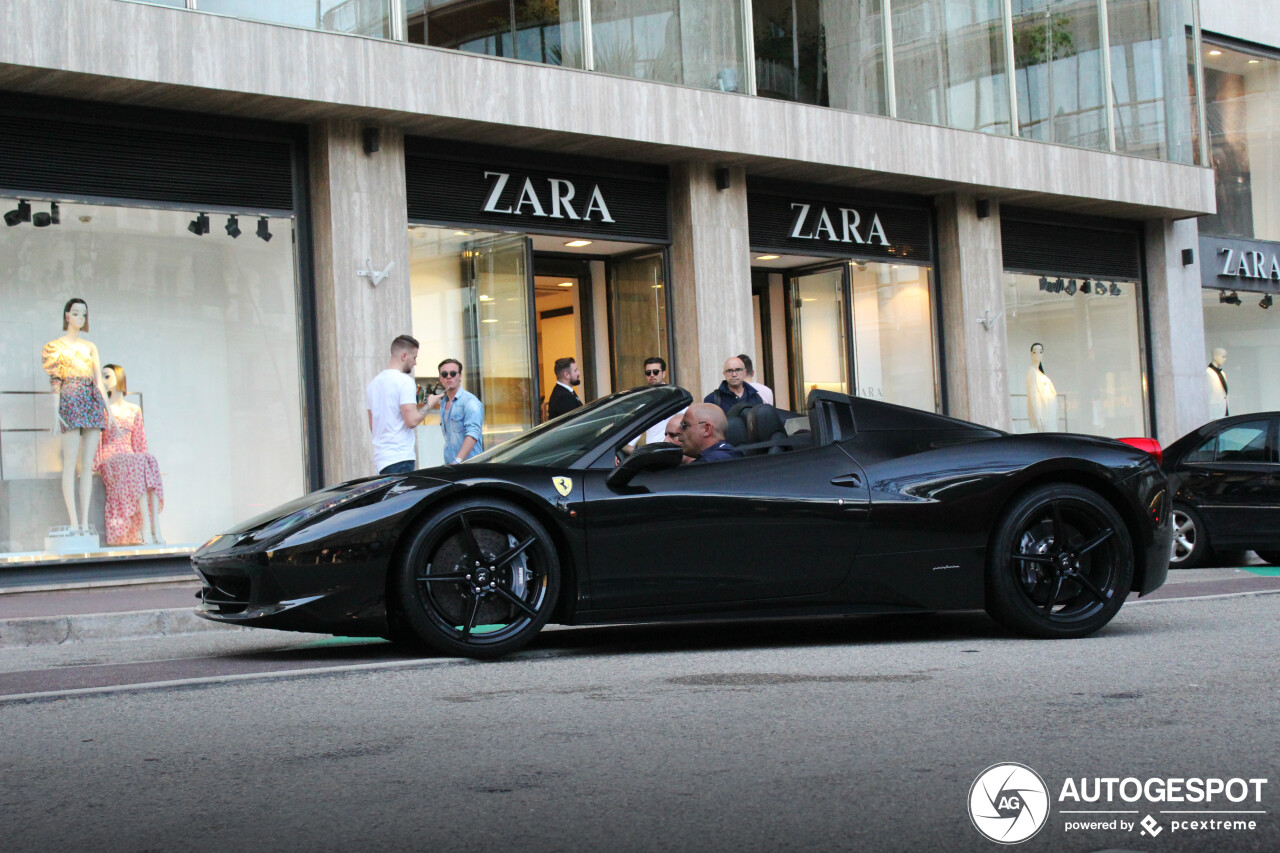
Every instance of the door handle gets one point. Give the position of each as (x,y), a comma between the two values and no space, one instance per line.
(851,480)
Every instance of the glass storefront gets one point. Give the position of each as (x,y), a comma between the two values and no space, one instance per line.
(637,315)
(1246,331)
(546,31)
(359,17)
(889,308)
(204,329)
(1075,362)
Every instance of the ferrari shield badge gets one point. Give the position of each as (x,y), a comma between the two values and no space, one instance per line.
(564,485)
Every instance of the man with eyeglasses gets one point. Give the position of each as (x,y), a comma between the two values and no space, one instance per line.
(394,413)
(734,388)
(461,415)
(702,434)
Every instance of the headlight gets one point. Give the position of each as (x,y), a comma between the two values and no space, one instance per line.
(328,504)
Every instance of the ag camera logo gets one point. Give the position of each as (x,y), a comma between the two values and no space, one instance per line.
(1008,803)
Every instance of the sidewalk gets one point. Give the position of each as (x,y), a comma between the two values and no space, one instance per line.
(85,611)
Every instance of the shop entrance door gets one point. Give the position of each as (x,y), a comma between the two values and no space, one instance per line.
(819,332)
(637,316)
(563,322)
(499,346)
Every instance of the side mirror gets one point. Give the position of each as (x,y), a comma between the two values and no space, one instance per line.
(651,457)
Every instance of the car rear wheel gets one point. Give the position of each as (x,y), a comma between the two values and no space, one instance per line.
(1272,557)
(480,579)
(1190,541)
(1061,564)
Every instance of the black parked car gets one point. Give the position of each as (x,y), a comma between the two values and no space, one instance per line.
(854,507)
(1225,479)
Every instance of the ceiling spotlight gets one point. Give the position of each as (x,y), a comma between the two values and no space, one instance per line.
(44,220)
(1266,301)
(1086,287)
(262,229)
(1071,287)
(21,214)
(1044,284)
(1231,298)
(54,218)
(1059,285)
(1114,289)
(199,225)
(233,226)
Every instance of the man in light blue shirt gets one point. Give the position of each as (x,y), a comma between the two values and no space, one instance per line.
(461,415)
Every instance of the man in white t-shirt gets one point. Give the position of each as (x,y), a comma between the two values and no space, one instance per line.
(765,392)
(392,401)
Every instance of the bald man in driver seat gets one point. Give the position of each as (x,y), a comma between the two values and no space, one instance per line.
(702,429)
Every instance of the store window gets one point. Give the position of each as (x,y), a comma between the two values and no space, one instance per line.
(546,31)
(637,315)
(949,63)
(204,328)
(1242,336)
(1075,355)
(891,356)
(692,42)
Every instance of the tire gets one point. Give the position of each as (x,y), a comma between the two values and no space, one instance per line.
(1190,539)
(479,579)
(1272,557)
(1060,565)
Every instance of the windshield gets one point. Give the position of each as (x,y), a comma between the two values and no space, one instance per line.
(567,438)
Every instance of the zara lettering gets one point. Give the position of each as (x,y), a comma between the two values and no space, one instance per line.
(821,227)
(559,193)
(1249,264)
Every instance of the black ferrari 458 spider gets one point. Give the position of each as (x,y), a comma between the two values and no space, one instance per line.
(853,507)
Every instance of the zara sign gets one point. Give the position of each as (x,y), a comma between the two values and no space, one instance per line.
(559,192)
(1233,264)
(803,219)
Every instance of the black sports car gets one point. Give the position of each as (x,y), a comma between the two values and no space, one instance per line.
(854,507)
(1225,481)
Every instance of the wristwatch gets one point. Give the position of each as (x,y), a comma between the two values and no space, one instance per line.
(457,460)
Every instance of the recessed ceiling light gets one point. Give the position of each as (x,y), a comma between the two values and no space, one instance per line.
(809,299)
(766,257)
(462,233)
(489,320)
(1215,53)
(578,243)
(565,284)
(1254,61)
(485,298)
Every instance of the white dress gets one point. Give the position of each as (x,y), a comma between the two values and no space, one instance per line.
(1217,395)
(1042,402)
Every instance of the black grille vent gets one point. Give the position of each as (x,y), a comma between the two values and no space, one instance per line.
(1053,248)
(65,157)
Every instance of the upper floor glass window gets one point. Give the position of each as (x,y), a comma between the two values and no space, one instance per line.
(361,17)
(693,42)
(1242,107)
(546,31)
(1153,111)
(1059,72)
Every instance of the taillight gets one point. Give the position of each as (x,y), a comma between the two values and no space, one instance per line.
(1147,445)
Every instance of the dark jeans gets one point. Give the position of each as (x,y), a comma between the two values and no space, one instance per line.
(405,467)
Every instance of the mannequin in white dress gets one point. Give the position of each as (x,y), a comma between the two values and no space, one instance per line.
(1042,397)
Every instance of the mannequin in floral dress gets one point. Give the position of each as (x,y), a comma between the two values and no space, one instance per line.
(81,414)
(135,496)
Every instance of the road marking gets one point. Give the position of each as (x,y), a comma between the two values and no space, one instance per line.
(50,695)
(1171,599)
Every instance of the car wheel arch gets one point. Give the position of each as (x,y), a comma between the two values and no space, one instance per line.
(564,607)
(1095,482)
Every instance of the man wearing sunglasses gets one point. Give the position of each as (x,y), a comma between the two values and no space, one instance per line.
(461,415)
(655,371)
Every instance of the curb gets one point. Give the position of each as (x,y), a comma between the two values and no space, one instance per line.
(89,627)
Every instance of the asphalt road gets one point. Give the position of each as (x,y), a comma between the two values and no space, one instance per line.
(861,734)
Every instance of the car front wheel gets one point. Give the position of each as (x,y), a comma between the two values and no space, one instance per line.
(1190,542)
(1061,563)
(479,579)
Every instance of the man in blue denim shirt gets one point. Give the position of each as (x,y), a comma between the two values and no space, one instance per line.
(461,415)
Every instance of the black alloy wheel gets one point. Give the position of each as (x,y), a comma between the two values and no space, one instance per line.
(1061,563)
(479,579)
(1190,540)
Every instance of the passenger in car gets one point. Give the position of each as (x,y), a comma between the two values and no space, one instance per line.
(702,429)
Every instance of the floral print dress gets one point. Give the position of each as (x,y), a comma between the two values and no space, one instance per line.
(128,471)
(72,377)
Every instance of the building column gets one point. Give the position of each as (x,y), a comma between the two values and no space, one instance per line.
(1176,319)
(970,273)
(360,212)
(710,272)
